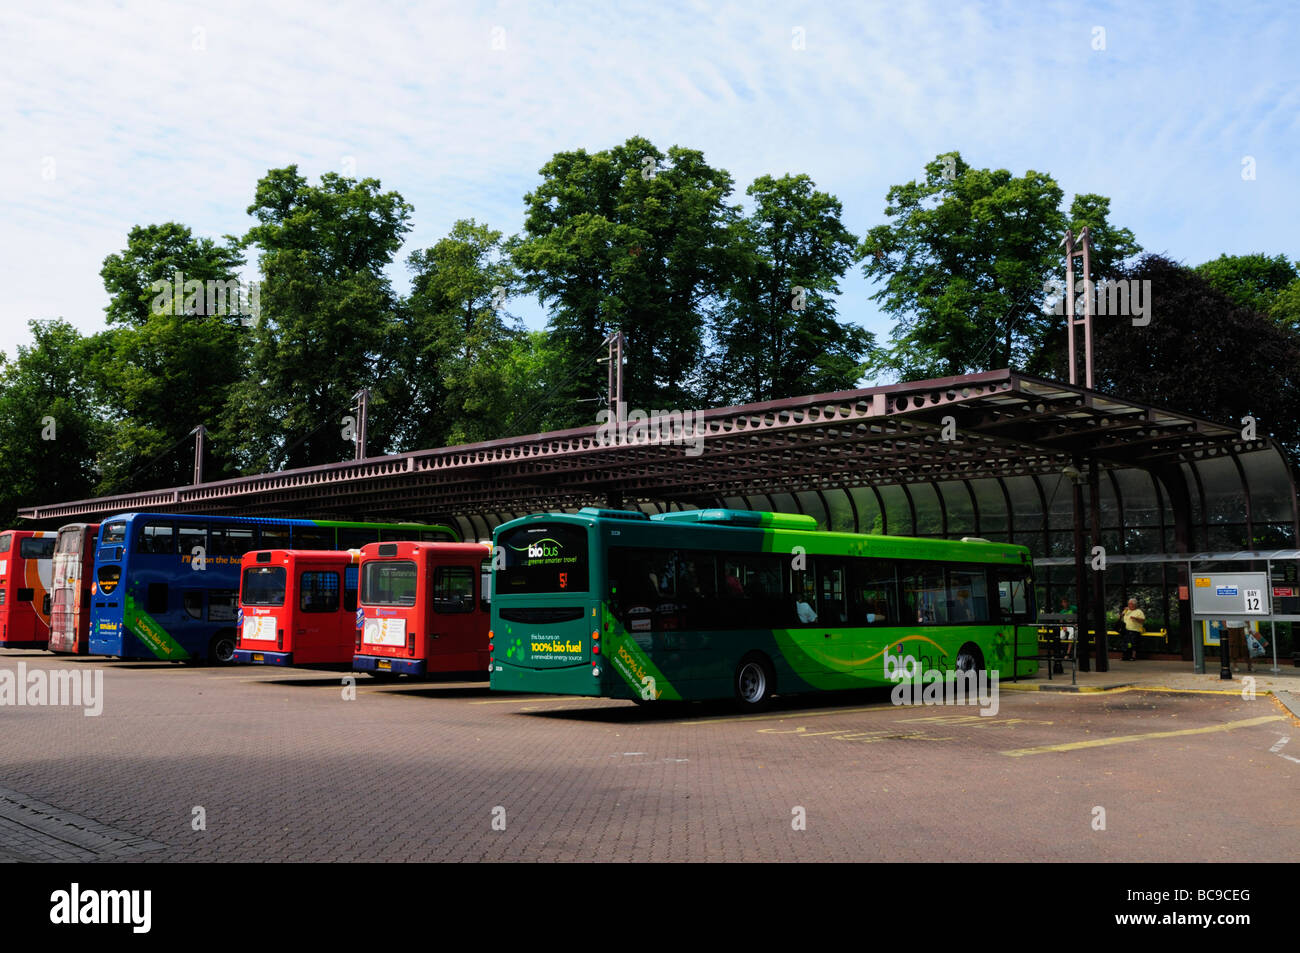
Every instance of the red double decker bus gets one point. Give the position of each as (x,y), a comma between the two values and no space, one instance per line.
(297,607)
(424,608)
(74,571)
(26,566)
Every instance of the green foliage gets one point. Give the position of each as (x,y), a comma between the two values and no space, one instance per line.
(1268,285)
(966,260)
(1202,354)
(457,339)
(49,431)
(328,317)
(769,347)
(171,355)
(141,280)
(628,238)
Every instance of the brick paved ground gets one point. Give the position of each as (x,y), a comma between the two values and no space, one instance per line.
(286,769)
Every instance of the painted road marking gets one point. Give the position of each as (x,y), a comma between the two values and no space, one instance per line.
(1125,739)
(1277,749)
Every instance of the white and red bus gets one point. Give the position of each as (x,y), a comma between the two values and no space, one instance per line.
(297,607)
(74,572)
(424,608)
(26,567)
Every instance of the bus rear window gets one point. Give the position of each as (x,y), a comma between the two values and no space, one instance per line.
(36,548)
(115,533)
(69,541)
(263,586)
(388,583)
(5,540)
(544,558)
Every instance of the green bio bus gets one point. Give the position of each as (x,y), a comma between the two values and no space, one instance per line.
(710,604)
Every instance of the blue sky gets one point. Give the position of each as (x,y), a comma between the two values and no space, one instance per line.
(113,115)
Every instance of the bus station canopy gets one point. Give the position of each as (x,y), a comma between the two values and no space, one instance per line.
(999,443)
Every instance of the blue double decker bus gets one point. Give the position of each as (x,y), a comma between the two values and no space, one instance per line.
(166,586)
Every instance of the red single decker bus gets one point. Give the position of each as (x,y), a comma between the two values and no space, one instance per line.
(74,571)
(26,568)
(297,607)
(424,608)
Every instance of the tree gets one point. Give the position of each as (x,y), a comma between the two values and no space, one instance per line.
(1202,354)
(48,431)
(777,331)
(967,259)
(175,347)
(1268,285)
(457,337)
(328,317)
(632,239)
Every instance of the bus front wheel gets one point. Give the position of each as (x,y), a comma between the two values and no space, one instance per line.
(754,682)
(970,658)
(221,650)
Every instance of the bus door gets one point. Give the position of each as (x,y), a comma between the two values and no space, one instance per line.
(1016,605)
(315,615)
(456,621)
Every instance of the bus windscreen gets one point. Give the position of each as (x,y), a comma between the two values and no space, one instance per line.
(388,583)
(263,586)
(544,558)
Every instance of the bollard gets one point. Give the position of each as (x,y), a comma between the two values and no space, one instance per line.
(1225,663)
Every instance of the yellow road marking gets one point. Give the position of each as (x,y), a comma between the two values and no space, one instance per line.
(1125,739)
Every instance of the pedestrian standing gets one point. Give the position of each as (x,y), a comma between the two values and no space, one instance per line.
(1134,621)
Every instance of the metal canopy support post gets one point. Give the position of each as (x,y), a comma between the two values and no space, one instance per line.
(1072,250)
(614,400)
(1098,575)
(199,433)
(1081,644)
(363,407)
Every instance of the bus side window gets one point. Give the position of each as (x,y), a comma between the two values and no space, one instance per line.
(453,589)
(192,599)
(221,605)
(925,594)
(190,536)
(968,596)
(313,537)
(318,591)
(156,539)
(350,589)
(874,593)
(485,586)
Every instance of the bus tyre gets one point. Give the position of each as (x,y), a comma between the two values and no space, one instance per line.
(221,650)
(970,659)
(754,682)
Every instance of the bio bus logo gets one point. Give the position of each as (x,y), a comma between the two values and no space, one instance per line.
(543,549)
(900,666)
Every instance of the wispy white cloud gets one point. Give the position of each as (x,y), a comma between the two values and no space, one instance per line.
(153,112)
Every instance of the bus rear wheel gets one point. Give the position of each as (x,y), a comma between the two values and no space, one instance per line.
(754,682)
(221,650)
